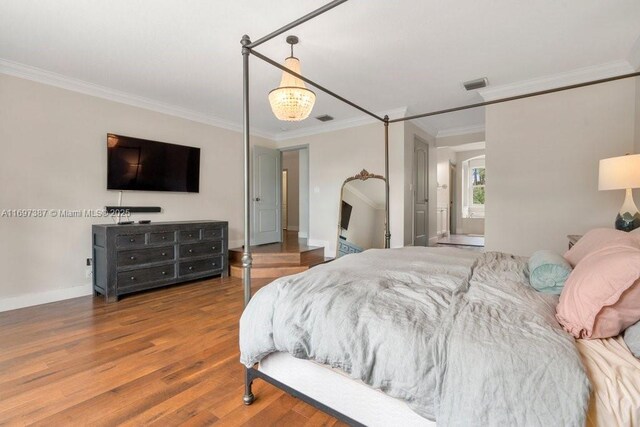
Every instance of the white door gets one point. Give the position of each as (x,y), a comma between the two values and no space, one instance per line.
(266,196)
(421,193)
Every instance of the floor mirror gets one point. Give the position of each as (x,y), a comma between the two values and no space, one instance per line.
(361,218)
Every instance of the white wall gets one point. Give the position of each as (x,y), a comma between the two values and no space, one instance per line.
(291,162)
(54,157)
(334,156)
(542,165)
(467,225)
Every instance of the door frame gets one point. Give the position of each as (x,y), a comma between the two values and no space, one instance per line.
(453,196)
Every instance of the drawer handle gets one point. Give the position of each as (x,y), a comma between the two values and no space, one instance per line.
(132,240)
(164,273)
(213,248)
(190,235)
(164,254)
(133,278)
(132,258)
(190,251)
(213,264)
(191,268)
(164,237)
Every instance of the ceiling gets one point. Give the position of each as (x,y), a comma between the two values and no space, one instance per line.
(380,54)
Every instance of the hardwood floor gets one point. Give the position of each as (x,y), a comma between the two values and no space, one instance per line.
(166,357)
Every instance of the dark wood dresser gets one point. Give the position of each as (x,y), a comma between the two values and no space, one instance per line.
(137,257)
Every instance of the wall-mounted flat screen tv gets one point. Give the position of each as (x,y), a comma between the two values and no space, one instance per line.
(140,164)
(345,215)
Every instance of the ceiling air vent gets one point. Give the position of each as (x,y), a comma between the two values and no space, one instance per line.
(476,84)
(325,118)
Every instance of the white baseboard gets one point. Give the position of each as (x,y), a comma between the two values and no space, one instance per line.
(28,300)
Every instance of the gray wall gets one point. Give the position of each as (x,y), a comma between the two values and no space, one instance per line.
(54,156)
(542,157)
(637,127)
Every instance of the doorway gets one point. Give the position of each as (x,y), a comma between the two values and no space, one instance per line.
(291,190)
(462,168)
(280,196)
(420,192)
(295,192)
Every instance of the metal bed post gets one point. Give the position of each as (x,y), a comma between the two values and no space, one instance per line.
(387,230)
(248,397)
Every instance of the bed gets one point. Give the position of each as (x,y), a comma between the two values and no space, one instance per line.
(407,336)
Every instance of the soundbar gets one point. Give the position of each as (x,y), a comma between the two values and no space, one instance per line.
(133,209)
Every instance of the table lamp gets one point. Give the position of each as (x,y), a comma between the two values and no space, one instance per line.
(622,173)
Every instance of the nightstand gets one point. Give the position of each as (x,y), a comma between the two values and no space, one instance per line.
(573,239)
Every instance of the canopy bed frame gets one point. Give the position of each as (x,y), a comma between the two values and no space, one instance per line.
(249,48)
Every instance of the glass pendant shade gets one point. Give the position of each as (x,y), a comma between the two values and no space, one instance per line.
(291,101)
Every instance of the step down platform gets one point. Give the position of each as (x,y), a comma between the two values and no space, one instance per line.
(277,260)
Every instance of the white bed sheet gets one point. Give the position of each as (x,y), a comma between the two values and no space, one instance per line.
(335,389)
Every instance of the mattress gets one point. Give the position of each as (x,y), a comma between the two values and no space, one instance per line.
(338,391)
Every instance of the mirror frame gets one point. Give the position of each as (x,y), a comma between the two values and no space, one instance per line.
(363,175)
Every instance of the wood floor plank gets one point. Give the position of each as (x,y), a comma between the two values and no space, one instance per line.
(164,358)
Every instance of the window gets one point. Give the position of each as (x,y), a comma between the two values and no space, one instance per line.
(477,186)
(473,188)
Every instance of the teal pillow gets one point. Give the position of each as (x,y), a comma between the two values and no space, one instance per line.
(548,271)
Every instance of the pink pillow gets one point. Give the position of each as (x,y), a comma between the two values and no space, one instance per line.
(594,240)
(601,296)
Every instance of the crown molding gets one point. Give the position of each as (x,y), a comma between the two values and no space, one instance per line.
(634,55)
(58,80)
(339,125)
(463,130)
(429,130)
(364,198)
(580,75)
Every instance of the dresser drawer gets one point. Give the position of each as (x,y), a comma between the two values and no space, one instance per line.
(190,235)
(200,249)
(166,237)
(212,233)
(201,266)
(145,275)
(145,256)
(130,240)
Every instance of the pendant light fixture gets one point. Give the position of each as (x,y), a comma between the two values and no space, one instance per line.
(291,101)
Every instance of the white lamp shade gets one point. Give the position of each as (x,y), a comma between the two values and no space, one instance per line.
(291,101)
(619,173)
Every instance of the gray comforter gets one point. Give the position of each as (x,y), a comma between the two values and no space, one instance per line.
(460,336)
